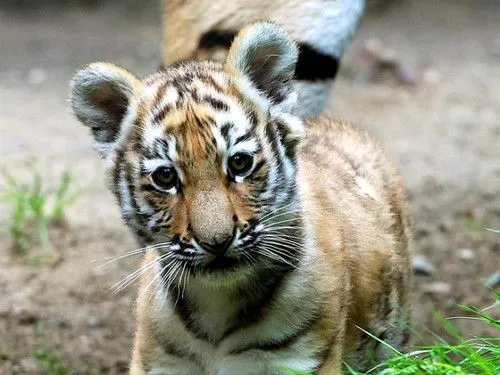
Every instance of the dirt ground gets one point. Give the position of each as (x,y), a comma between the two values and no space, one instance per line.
(443,132)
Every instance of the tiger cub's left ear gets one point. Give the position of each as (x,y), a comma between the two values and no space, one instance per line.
(101,95)
(262,58)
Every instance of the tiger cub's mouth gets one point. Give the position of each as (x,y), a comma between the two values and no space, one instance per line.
(197,259)
(222,263)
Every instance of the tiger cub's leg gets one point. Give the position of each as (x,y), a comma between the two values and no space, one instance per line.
(388,327)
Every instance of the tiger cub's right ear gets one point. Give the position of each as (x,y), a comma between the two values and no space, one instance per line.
(100,98)
(262,59)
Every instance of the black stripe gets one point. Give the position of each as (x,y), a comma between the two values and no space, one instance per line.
(160,115)
(244,137)
(286,341)
(252,116)
(161,144)
(258,300)
(157,101)
(224,130)
(137,221)
(312,65)
(275,145)
(120,155)
(142,169)
(185,309)
(182,83)
(289,143)
(148,187)
(210,81)
(216,104)
(258,167)
(217,38)
(259,182)
(323,354)
(259,297)
(173,350)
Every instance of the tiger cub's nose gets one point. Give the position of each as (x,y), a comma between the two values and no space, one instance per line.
(217,248)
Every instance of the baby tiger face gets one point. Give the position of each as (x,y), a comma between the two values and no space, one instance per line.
(202,156)
(210,167)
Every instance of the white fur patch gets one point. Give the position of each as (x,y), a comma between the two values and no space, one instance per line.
(366,189)
(245,86)
(170,96)
(126,198)
(127,124)
(248,146)
(152,165)
(151,133)
(219,140)
(172,149)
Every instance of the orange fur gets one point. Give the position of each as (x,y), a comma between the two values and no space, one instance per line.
(341,253)
(359,245)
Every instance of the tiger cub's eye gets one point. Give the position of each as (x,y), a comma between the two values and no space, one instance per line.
(165,178)
(240,164)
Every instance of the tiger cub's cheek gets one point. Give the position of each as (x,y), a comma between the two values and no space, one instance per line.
(180,220)
(241,199)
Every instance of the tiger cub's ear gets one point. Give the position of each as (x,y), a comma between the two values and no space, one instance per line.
(100,98)
(263,59)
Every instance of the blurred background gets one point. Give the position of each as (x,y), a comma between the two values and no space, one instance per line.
(421,76)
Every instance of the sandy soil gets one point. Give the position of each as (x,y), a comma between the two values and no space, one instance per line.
(443,132)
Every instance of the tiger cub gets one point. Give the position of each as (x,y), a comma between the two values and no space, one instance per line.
(270,242)
(323,30)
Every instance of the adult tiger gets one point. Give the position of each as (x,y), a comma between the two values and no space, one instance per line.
(321,28)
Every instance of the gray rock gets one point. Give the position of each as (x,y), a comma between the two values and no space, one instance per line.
(493,281)
(466,254)
(422,266)
(438,287)
(95,323)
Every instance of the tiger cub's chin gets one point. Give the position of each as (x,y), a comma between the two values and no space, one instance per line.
(270,240)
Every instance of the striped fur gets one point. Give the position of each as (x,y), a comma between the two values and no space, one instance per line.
(319,223)
(322,28)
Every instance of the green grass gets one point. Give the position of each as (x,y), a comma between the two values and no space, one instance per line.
(474,224)
(47,357)
(33,206)
(476,355)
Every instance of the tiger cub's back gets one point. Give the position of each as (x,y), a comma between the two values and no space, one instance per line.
(355,196)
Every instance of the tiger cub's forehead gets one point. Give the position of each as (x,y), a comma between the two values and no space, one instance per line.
(193,111)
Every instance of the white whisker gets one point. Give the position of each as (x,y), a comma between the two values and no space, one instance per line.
(281,240)
(277,210)
(155,278)
(279,234)
(276,215)
(126,281)
(130,253)
(280,251)
(276,258)
(272,254)
(277,223)
(281,244)
(162,278)
(284,227)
